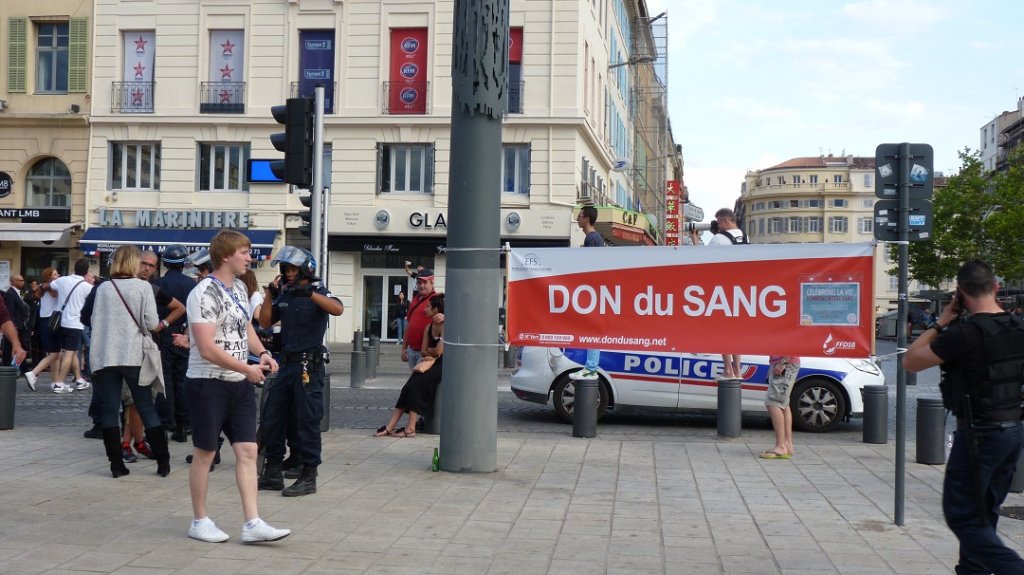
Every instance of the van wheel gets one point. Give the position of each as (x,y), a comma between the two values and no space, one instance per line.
(818,405)
(564,398)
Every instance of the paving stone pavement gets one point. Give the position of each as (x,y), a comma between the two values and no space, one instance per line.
(555,505)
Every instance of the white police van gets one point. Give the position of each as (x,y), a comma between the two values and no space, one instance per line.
(827,390)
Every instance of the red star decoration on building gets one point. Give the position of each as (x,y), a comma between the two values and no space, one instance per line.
(228,48)
(225,96)
(137,97)
(140,45)
(225,72)
(139,69)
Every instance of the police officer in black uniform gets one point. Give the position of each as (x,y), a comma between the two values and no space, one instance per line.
(175,358)
(302,306)
(982,362)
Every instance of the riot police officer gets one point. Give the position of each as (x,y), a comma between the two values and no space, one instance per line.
(982,362)
(175,358)
(302,306)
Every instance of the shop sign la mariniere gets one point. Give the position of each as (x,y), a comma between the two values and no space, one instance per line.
(177,219)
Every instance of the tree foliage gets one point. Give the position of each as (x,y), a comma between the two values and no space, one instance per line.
(977,214)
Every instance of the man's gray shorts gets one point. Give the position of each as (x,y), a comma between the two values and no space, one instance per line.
(780,387)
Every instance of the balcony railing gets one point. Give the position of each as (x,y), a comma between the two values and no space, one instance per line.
(132,97)
(514,98)
(406,98)
(307,89)
(222,97)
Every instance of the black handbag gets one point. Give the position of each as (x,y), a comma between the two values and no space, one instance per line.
(57,314)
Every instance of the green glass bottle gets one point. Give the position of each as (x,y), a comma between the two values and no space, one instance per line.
(435,465)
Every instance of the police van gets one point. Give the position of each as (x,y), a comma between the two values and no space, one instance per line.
(827,390)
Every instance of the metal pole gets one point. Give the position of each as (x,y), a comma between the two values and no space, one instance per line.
(901,335)
(730,408)
(469,395)
(316,205)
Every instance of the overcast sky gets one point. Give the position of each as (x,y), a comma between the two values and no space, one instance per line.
(753,83)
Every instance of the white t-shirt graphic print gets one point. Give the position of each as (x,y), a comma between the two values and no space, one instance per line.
(211,303)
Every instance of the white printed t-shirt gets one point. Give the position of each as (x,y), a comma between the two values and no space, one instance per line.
(71,317)
(210,303)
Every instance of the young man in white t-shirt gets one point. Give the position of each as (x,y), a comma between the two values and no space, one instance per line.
(71,292)
(219,385)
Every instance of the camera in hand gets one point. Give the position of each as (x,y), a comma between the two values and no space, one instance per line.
(701,227)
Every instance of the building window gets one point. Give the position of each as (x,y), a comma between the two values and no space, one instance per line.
(760,226)
(839,203)
(222,167)
(775,225)
(49,184)
(780,180)
(869,204)
(52,58)
(838,178)
(796,178)
(814,178)
(813,203)
(794,203)
(814,225)
(866,225)
(775,205)
(515,169)
(894,283)
(837,224)
(759,207)
(134,166)
(793,225)
(405,168)
(868,181)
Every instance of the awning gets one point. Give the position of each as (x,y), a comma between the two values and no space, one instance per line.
(25,232)
(98,240)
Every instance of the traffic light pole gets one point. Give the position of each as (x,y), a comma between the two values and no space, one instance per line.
(902,229)
(317,235)
(469,395)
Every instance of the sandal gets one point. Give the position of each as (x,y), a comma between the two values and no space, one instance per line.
(774,455)
(404,432)
(383,431)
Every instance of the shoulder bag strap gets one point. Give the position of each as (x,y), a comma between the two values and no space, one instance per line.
(137,324)
(69,295)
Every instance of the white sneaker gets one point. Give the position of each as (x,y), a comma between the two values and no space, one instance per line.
(61,388)
(262,531)
(585,374)
(31,379)
(82,384)
(206,530)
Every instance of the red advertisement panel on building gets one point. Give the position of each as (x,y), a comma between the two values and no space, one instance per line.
(407,92)
(515,45)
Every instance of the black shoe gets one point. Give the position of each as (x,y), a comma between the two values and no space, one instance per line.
(112,445)
(292,466)
(305,485)
(271,479)
(179,434)
(156,437)
(94,433)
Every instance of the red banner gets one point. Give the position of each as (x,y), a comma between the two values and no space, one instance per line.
(407,92)
(802,299)
(673,190)
(515,45)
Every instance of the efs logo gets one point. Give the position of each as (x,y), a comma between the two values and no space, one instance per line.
(832,345)
(531,259)
(409,95)
(410,45)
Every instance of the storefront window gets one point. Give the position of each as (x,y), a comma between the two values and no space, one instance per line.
(35,260)
(49,184)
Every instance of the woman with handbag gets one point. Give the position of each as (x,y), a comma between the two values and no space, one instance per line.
(123,315)
(419,390)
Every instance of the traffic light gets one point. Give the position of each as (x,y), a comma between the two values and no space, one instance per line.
(306,215)
(296,142)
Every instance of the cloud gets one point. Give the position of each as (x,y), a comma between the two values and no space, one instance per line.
(906,16)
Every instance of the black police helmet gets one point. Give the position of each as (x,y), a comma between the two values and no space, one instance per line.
(175,256)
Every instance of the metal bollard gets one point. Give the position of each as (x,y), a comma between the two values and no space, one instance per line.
(325,421)
(510,357)
(730,407)
(358,375)
(876,414)
(375,342)
(584,410)
(1017,482)
(911,378)
(8,391)
(371,360)
(357,340)
(432,422)
(931,431)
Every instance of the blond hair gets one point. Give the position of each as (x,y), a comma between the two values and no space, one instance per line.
(225,244)
(126,262)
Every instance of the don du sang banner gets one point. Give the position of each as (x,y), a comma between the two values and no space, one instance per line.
(809,300)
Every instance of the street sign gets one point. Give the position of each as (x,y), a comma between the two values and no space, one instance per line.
(919,220)
(887,171)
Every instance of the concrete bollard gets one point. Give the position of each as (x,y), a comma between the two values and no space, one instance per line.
(730,407)
(1017,482)
(325,421)
(584,411)
(876,414)
(357,340)
(8,391)
(375,342)
(358,374)
(911,378)
(371,360)
(931,431)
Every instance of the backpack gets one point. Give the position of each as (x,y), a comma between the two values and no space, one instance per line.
(735,241)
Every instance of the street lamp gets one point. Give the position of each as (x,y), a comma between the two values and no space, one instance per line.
(633,61)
